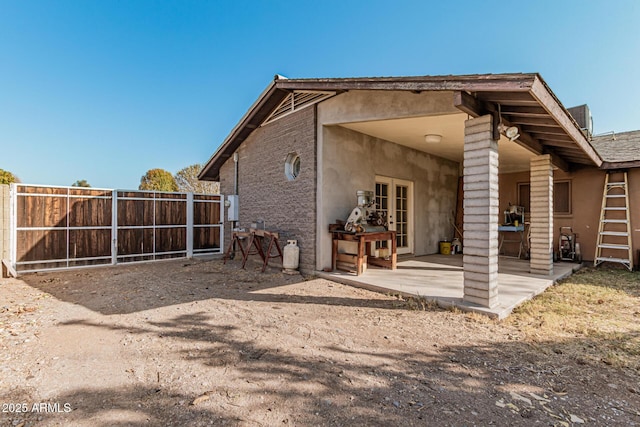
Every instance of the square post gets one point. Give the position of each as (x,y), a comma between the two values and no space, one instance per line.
(114,227)
(189,225)
(541,172)
(480,261)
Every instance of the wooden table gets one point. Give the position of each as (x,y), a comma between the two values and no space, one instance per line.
(363,248)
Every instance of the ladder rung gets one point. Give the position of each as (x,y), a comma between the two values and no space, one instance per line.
(611,259)
(616,196)
(612,246)
(615,209)
(615,221)
(622,184)
(614,233)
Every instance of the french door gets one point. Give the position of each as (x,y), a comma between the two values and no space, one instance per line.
(395,198)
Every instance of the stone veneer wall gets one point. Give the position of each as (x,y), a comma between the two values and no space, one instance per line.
(288,207)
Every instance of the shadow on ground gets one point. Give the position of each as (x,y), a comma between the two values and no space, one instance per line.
(133,288)
(260,384)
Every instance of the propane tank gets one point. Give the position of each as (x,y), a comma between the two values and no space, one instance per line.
(291,257)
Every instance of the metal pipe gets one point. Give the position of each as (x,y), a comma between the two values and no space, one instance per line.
(235,191)
(235,180)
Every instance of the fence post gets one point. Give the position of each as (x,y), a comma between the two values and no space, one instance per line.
(221,219)
(190,203)
(114,227)
(5,201)
(13,233)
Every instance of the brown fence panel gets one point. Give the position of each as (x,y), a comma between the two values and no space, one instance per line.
(62,227)
(151,225)
(207,231)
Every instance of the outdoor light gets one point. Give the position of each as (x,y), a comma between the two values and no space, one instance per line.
(510,132)
(432,138)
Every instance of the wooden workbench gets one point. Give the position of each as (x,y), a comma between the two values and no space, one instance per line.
(363,248)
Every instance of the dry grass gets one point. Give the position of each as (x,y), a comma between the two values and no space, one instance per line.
(593,316)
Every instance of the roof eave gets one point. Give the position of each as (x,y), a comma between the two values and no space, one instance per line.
(471,83)
(620,165)
(251,120)
(281,86)
(554,107)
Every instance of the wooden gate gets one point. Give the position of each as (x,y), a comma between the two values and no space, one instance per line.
(67,227)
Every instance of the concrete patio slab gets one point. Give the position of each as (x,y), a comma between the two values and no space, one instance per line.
(439,278)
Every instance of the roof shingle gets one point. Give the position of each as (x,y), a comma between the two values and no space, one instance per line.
(618,147)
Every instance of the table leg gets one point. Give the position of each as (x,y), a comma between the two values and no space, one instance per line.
(334,253)
(360,260)
(394,256)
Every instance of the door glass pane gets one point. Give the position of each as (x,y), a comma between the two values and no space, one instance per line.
(401,216)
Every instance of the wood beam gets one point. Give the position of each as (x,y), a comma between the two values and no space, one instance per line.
(535,121)
(524,111)
(476,108)
(505,96)
(542,93)
(543,130)
(562,144)
(577,159)
(508,98)
(469,104)
(471,83)
(547,137)
(533,145)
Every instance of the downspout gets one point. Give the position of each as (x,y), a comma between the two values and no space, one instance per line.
(235,176)
(235,192)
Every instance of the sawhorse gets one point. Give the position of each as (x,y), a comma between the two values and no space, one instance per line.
(236,240)
(256,238)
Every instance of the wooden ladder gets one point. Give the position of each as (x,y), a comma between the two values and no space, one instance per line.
(614,230)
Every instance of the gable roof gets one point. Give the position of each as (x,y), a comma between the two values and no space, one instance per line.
(524,100)
(618,150)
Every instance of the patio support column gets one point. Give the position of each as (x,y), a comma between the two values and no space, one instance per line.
(541,171)
(480,261)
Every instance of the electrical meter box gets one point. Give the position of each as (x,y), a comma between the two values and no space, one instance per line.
(232,210)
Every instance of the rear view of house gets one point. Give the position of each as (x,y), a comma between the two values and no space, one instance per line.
(306,146)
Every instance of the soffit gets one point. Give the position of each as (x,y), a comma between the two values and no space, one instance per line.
(410,132)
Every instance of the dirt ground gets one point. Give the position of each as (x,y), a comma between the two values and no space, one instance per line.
(196,343)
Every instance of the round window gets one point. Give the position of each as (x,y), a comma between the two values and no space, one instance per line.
(292,166)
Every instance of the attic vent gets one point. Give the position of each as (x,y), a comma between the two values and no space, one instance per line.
(297,100)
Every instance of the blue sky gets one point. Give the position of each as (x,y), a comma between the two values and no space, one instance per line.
(105,90)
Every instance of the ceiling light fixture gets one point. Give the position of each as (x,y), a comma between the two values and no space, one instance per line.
(432,138)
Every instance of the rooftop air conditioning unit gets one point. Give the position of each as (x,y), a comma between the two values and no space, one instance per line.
(582,116)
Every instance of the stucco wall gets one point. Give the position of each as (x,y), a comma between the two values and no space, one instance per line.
(351,162)
(264,191)
(586,200)
(363,105)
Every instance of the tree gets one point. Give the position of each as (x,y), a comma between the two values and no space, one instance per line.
(158,180)
(187,181)
(81,183)
(7,177)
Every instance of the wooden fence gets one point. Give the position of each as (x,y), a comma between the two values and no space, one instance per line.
(65,227)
